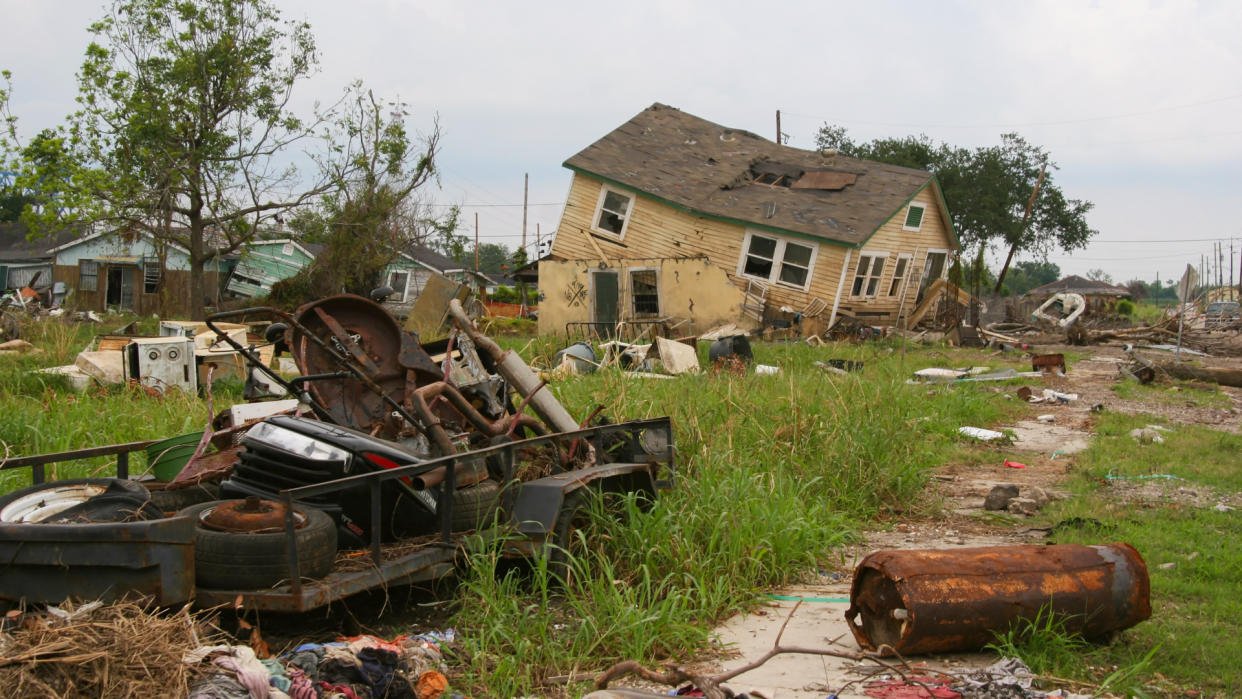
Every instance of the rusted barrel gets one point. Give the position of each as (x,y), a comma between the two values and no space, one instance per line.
(928,601)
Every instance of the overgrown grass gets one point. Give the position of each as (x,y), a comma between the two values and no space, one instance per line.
(1188,393)
(40,413)
(776,472)
(1194,636)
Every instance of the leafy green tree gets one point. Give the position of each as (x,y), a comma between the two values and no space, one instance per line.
(1028,274)
(185,126)
(987,189)
(493,258)
(376,167)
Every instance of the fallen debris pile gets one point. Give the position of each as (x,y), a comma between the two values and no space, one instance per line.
(117,650)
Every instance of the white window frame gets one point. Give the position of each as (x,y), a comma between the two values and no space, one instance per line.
(599,208)
(896,284)
(778,259)
(404,291)
(629,280)
(922,217)
(870,274)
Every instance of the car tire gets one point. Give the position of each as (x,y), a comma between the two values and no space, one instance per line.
(119,500)
(475,507)
(258,561)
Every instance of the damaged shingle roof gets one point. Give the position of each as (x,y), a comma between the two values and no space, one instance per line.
(15,245)
(710,169)
(1074,284)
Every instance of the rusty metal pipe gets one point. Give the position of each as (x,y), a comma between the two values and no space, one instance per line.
(931,601)
(518,374)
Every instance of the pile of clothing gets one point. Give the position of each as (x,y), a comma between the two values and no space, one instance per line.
(360,667)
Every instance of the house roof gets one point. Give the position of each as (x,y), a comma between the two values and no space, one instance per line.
(1074,284)
(694,164)
(432,259)
(15,247)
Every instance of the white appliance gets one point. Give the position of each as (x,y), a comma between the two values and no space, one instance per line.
(162,362)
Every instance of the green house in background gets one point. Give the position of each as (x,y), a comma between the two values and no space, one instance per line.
(262,263)
(265,262)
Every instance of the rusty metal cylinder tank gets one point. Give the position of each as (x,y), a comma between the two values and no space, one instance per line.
(929,601)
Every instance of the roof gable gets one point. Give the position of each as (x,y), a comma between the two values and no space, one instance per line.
(1074,284)
(708,169)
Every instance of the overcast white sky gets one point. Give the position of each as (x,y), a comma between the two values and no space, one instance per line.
(1139,102)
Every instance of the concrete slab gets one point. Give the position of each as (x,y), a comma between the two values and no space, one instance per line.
(818,622)
(1046,438)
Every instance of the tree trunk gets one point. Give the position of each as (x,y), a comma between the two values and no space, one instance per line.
(1223,377)
(195,301)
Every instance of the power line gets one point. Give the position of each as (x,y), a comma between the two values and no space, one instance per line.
(553,203)
(1056,122)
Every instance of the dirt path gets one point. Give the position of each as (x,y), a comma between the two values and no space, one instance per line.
(1046,450)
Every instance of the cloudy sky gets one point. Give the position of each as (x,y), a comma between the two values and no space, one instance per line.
(1139,102)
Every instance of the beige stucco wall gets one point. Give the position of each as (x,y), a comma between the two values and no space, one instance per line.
(691,289)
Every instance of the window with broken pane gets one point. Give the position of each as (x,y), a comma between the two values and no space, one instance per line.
(759,257)
(644,290)
(614,210)
(867,275)
(899,275)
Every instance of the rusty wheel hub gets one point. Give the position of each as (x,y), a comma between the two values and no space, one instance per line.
(252,515)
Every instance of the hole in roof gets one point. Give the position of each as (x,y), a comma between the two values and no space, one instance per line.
(727,137)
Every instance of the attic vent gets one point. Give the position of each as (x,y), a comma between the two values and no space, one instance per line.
(826,180)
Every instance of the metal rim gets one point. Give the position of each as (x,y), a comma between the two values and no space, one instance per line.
(45,504)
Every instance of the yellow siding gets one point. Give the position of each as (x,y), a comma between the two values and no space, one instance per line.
(658,231)
(932,235)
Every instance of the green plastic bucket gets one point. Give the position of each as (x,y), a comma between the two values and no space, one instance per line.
(167,457)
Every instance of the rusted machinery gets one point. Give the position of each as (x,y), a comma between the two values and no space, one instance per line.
(928,601)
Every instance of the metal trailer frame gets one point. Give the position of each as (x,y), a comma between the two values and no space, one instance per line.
(632,456)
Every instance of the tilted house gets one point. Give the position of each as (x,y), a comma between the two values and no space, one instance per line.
(674,217)
(262,263)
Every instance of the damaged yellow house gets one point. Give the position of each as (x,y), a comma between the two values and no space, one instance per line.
(671,217)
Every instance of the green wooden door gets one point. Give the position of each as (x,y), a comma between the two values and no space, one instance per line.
(605,292)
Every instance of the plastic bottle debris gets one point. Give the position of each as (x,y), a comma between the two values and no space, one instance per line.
(766,369)
(981,434)
(1046,418)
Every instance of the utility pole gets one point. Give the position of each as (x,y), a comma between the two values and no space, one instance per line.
(476,245)
(538,243)
(1000,278)
(778,127)
(525,194)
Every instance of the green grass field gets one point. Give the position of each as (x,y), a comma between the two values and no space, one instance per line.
(775,474)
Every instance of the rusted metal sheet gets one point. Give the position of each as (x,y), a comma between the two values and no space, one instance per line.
(929,601)
(54,562)
(361,330)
